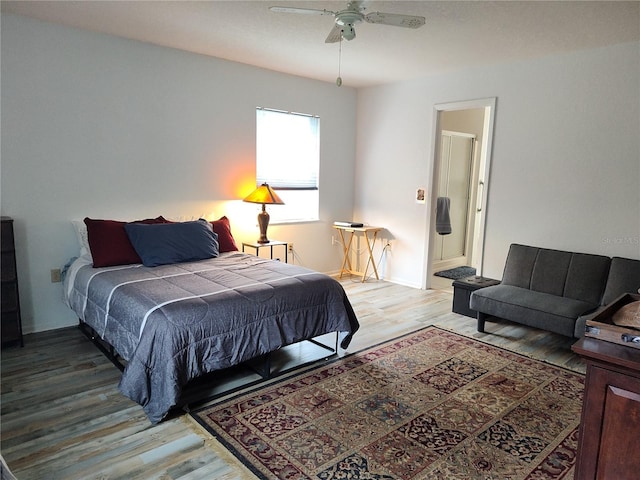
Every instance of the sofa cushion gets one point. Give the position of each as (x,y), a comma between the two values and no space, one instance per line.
(550,271)
(536,309)
(586,277)
(519,265)
(624,277)
(579,276)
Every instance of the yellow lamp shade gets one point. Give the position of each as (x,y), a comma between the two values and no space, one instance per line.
(264,194)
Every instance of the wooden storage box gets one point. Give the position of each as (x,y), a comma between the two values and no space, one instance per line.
(602,327)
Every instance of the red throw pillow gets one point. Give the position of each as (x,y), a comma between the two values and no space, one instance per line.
(225,240)
(110,244)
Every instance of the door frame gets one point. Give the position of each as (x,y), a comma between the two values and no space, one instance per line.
(489,104)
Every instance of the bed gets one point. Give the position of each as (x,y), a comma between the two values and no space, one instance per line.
(177,321)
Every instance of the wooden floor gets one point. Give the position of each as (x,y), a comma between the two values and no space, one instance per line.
(62,416)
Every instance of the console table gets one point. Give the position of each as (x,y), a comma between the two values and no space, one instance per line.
(369,235)
(610,422)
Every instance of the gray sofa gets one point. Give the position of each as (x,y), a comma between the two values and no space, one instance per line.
(555,290)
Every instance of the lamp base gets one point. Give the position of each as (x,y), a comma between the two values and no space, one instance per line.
(263,223)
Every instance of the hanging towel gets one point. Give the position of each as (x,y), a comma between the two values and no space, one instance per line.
(443,221)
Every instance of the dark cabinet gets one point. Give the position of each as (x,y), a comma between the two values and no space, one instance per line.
(11,323)
(610,422)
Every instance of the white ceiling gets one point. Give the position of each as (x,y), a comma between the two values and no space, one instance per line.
(457,35)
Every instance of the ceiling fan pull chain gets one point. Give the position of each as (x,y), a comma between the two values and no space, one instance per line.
(339,79)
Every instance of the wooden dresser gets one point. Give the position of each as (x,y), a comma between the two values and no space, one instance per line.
(610,422)
(11,323)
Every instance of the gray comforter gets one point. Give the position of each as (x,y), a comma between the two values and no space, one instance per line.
(174,323)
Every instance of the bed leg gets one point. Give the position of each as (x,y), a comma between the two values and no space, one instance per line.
(266,372)
(262,366)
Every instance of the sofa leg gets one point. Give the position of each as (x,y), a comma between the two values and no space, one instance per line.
(481,319)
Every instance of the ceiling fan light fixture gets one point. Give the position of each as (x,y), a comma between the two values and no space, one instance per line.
(348,32)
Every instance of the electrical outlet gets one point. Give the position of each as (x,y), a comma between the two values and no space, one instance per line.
(56,275)
(290,246)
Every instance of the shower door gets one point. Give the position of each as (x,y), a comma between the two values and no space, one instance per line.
(454,182)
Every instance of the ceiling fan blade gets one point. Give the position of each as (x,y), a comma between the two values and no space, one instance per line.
(334,35)
(307,11)
(397,20)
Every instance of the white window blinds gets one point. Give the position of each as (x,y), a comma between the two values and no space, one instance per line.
(287,149)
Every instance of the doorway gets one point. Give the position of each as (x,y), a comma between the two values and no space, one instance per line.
(457,165)
(462,139)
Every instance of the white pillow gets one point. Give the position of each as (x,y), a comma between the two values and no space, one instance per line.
(83,239)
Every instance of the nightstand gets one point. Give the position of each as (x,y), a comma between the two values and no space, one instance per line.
(273,243)
(462,290)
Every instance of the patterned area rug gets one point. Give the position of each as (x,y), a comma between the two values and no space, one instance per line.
(430,405)
(456,273)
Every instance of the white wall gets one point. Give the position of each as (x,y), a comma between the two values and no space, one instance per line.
(98,126)
(565,166)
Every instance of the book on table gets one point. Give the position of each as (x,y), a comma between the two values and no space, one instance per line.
(349,224)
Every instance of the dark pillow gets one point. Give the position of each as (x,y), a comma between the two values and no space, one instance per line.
(109,243)
(225,240)
(166,243)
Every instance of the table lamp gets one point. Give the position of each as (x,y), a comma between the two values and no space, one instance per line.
(265,195)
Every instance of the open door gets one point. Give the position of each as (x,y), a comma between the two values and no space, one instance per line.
(463,133)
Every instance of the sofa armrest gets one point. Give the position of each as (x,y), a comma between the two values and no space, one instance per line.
(624,277)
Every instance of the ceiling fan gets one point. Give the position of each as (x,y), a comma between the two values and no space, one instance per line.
(346,19)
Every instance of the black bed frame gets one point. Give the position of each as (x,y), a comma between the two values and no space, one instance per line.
(107,349)
(260,365)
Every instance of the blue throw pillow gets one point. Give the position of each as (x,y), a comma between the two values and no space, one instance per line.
(165,243)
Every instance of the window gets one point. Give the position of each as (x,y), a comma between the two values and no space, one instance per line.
(288,159)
